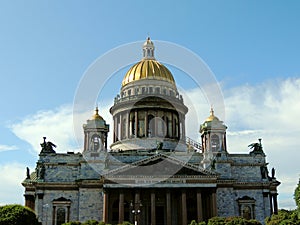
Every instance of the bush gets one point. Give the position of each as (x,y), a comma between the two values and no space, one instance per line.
(193,222)
(17,215)
(284,217)
(216,221)
(235,220)
(72,223)
(126,223)
(91,222)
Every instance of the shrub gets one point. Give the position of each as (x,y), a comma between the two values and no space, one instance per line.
(73,223)
(283,217)
(126,223)
(216,221)
(91,222)
(17,215)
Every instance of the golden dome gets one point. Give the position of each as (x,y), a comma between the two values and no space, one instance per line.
(148,68)
(96,116)
(212,117)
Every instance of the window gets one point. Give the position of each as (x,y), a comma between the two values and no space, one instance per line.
(246,207)
(151,125)
(215,143)
(96,143)
(144,90)
(160,127)
(61,210)
(136,91)
(141,124)
(157,90)
(61,216)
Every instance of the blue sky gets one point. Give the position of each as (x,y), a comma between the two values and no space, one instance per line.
(251,46)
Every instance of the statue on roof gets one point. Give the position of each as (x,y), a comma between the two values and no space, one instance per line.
(27,173)
(47,147)
(257,148)
(273,173)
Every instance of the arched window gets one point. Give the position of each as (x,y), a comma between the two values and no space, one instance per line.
(141,121)
(246,206)
(246,212)
(95,142)
(215,143)
(151,126)
(160,127)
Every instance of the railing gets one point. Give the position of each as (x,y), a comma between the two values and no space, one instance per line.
(175,97)
(194,144)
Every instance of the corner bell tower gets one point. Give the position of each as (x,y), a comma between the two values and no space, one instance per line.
(213,138)
(95,133)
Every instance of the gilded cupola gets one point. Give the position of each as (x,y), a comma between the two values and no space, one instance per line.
(148,68)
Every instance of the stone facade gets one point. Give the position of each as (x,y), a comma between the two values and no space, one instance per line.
(152,173)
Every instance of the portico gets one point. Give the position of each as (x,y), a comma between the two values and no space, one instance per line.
(158,196)
(159,206)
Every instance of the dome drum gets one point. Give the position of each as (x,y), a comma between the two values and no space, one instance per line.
(147,123)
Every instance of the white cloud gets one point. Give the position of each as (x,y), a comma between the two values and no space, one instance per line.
(11,176)
(58,126)
(55,124)
(7,148)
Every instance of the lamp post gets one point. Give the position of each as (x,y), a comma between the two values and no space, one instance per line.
(136,210)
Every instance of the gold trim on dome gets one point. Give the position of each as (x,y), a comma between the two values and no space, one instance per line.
(212,116)
(96,116)
(148,69)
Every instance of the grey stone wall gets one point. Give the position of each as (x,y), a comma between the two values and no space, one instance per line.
(225,204)
(90,204)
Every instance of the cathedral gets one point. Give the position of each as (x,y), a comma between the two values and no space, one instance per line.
(152,173)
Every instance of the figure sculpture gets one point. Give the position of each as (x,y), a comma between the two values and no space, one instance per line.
(27,173)
(257,148)
(47,147)
(273,173)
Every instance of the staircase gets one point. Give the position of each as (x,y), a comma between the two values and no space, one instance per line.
(193,144)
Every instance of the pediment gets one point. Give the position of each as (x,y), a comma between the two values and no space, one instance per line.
(160,165)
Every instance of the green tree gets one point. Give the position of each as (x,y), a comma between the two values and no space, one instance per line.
(297,195)
(17,215)
(284,217)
